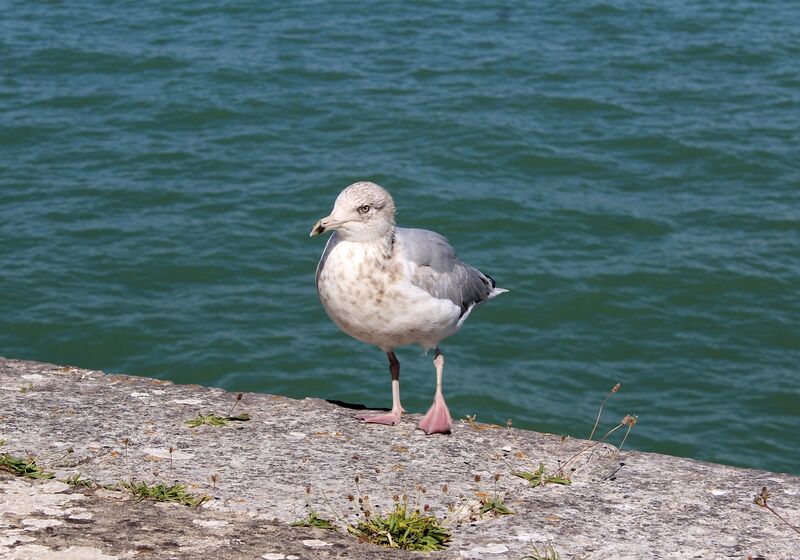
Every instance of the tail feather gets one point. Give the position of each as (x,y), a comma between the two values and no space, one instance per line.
(496,292)
(493,285)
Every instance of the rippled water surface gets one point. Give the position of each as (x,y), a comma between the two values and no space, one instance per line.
(628,171)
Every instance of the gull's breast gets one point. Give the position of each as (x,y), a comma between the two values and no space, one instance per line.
(369,296)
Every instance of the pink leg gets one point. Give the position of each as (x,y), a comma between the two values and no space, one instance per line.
(437,420)
(393,417)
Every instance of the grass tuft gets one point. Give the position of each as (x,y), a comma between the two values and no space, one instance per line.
(404,529)
(313,520)
(214,420)
(76,480)
(210,419)
(540,478)
(547,553)
(23,467)
(162,493)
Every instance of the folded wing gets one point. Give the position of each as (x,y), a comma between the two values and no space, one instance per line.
(435,268)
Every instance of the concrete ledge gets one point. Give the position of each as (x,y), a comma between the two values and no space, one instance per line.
(294,456)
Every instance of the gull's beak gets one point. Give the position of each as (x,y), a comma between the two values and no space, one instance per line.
(324,225)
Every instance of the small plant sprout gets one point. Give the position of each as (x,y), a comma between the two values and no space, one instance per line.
(210,419)
(76,480)
(23,467)
(216,421)
(495,505)
(162,493)
(547,553)
(313,520)
(540,478)
(614,389)
(403,528)
(761,501)
(491,503)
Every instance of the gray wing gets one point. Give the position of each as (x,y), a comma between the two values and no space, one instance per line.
(438,270)
(332,241)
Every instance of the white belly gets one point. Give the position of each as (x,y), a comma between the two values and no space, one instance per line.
(370,297)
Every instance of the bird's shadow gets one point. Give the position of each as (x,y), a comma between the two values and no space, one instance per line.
(352,406)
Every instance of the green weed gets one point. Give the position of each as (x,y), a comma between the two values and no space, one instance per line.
(495,505)
(214,420)
(210,419)
(23,467)
(547,553)
(539,478)
(76,480)
(313,520)
(162,493)
(401,528)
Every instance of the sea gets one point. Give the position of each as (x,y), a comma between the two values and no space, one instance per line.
(629,171)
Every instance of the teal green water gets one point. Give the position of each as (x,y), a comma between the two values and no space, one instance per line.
(629,171)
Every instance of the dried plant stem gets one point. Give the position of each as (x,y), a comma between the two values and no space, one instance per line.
(614,389)
(779,516)
(630,427)
(761,501)
(587,448)
(238,398)
(330,507)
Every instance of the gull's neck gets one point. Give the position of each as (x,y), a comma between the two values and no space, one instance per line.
(380,246)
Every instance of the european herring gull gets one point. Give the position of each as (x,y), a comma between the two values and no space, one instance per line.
(391,286)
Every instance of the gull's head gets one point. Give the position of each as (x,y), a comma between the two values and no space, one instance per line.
(363,211)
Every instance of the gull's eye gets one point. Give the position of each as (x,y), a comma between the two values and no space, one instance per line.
(363,209)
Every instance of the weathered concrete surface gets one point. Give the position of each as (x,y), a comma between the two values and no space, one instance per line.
(50,519)
(121,427)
